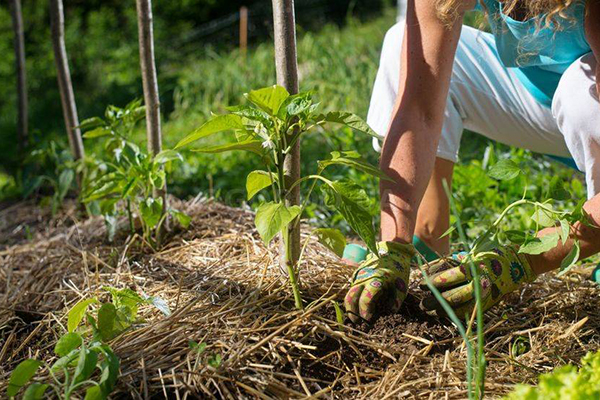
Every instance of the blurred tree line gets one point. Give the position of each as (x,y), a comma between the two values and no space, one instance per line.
(101,39)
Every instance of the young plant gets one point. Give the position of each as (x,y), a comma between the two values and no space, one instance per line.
(269,128)
(84,349)
(51,165)
(129,179)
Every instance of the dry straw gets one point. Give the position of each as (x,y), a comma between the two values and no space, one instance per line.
(225,289)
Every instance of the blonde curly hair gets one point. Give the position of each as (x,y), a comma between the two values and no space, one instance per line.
(552,10)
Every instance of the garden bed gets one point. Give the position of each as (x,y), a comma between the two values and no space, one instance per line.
(224,289)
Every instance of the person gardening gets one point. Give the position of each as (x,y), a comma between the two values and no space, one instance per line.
(533,82)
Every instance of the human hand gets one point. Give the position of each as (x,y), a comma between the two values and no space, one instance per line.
(380,284)
(501,271)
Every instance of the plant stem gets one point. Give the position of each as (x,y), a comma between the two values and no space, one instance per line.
(130,217)
(481,362)
(291,270)
(461,330)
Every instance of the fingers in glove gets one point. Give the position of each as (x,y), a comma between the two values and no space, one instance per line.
(440,265)
(351,302)
(459,298)
(369,304)
(447,278)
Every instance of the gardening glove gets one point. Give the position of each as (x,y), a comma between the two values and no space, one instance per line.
(501,271)
(380,284)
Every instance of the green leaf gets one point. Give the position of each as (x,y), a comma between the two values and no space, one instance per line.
(215,361)
(333,239)
(21,375)
(126,298)
(181,217)
(295,105)
(65,361)
(557,189)
(571,258)
(252,114)
(85,365)
(35,391)
(67,343)
(94,393)
(504,170)
(167,155)
(151,211)
(352,202)
(216,124)
(109,370)
(96,133)
(76,313)
(198,347)
(348,119)
(354,160)
(271,218)
(91,123)
(517,237)
(565,230)
(257,181)
(107,315)
(64,182)
(269,99)
(540,245)
(339,314)
(253,146)
(448,232)
(543,218)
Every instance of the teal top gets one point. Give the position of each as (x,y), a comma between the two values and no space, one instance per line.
(537,53)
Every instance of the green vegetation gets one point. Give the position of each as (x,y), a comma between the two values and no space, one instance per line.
(270,129)
(126,174)
(83,350)
(567,382)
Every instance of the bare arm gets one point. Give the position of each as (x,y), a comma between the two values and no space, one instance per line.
(409,149)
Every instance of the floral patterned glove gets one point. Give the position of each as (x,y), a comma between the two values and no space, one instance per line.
(380,284)
(501,271)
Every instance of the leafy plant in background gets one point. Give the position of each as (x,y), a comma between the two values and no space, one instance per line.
(51,165)
(542,214)
(269,128)
(129,179)
(84,349)
(566,382)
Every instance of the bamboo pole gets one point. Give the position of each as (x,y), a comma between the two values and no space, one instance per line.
(65,86)
(287,76)
(19,43)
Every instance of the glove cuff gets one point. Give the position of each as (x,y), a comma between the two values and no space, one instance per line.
(403,252)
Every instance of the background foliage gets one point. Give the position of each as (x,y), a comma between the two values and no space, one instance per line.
(198,76)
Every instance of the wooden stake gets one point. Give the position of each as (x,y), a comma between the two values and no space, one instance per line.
(149,79)
(243,30)
(287,76)
(65,86)
(150,84)
(19,43)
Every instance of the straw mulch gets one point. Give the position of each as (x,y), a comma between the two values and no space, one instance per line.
(225,290)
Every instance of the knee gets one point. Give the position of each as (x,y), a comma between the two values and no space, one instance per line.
(575,105)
